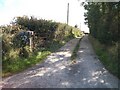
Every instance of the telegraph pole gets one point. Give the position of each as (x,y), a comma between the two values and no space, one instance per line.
(68,13)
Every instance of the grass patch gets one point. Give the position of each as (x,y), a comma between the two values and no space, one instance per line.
(74,53)
(19,64)
(108,55)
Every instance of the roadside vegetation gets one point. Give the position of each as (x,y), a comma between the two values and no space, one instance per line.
(107,55)
(103,21)
(74,53)
(48,37)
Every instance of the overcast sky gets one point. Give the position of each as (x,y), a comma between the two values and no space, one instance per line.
(55,10)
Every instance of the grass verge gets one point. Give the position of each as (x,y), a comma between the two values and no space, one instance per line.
(20,64)
(74,53)
(108,55)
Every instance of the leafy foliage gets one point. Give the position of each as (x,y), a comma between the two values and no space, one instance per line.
(102,19)
(49,36)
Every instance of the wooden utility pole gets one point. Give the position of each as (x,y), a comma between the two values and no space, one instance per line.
(68,13)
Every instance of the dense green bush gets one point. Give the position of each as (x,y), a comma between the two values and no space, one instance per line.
(47,29)
(48,36)
(10,49)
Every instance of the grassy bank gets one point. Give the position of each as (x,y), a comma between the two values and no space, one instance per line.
(108,55)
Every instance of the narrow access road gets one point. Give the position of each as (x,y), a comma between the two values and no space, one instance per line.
(59,72)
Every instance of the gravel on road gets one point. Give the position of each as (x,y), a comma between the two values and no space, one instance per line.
(58,72)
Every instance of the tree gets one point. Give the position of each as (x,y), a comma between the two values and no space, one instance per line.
(102,19)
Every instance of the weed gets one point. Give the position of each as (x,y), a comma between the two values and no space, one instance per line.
(74,53)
